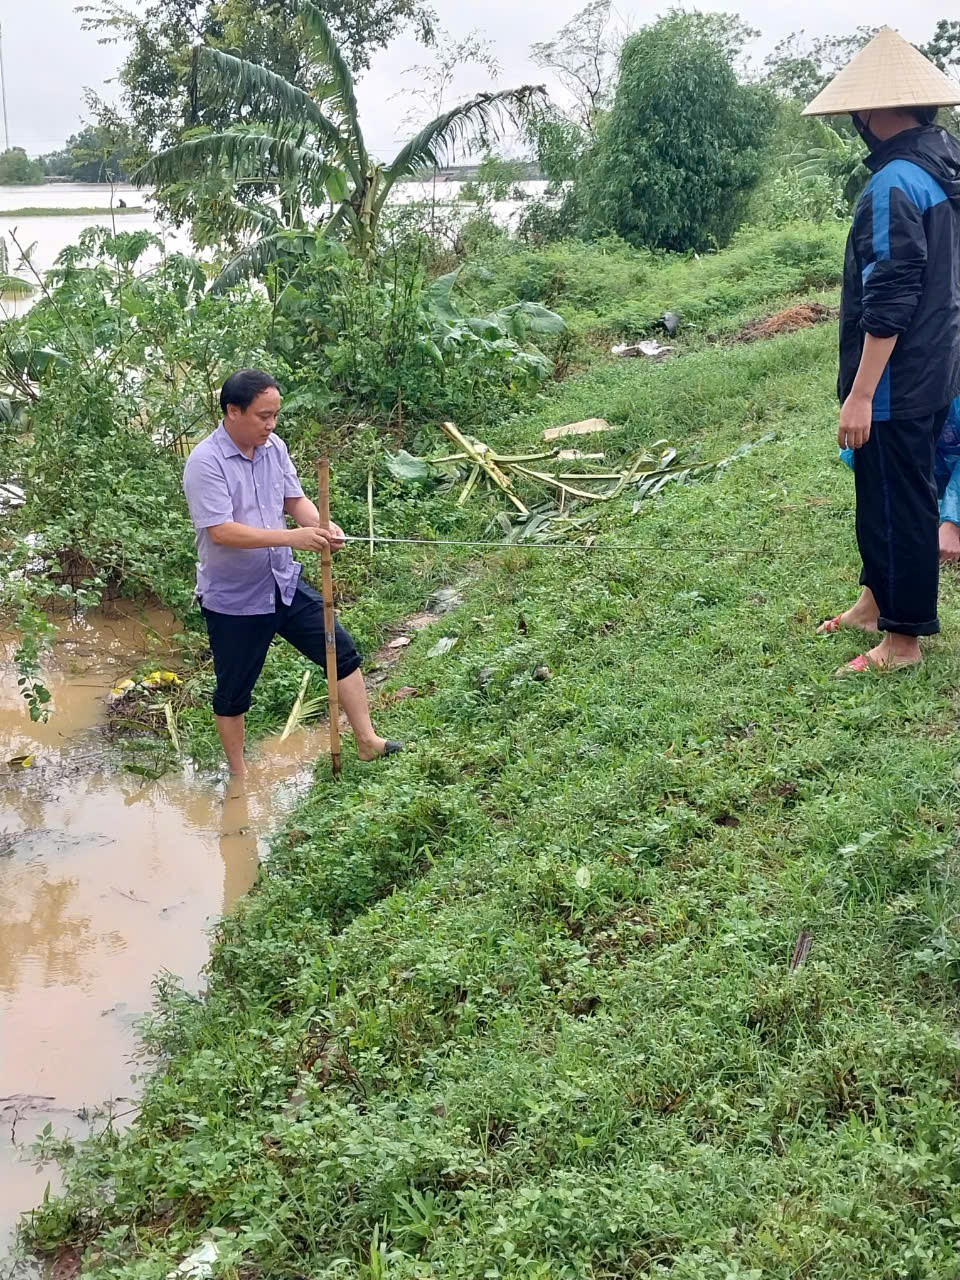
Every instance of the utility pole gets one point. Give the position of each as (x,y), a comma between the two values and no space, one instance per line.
(3,98)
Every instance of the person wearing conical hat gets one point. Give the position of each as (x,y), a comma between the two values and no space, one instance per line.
(899,336)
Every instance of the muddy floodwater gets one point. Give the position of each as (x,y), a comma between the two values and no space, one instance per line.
(106,881)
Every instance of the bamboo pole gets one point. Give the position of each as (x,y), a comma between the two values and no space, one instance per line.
(370,509)
(329,617)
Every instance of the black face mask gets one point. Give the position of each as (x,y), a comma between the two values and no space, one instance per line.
(866,133)
(924,116)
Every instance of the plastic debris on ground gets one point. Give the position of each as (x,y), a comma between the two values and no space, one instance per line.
(650,350)
(199,1264)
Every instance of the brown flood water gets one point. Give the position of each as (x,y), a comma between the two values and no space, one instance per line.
(105,881)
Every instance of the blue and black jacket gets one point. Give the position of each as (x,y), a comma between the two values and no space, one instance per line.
(902,274)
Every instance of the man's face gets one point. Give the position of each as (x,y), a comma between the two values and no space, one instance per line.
(254,426)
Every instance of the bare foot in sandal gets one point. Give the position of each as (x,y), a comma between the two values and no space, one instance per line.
(892,652)
(864,616)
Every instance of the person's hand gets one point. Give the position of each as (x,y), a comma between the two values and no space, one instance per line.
(310,538)
(949,542)
(856,419)
(338,539)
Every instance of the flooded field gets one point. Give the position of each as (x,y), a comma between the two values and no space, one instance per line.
(47,236)
(105,882)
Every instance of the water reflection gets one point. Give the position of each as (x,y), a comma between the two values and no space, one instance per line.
(106,881)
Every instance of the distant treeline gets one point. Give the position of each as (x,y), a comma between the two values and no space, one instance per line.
(95,154)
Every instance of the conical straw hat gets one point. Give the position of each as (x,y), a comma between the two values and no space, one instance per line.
(888,72)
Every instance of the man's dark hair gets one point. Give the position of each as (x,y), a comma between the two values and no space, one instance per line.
(243,387)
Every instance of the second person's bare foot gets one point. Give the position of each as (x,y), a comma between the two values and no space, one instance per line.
(863,616)
(892,652)
(856,619)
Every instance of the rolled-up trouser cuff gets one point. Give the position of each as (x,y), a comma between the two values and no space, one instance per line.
(910,628)
(223,706)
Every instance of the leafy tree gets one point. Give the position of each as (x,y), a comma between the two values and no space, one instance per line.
(100,152)
(497,179)
(944,48)
(309,149)
(798,69)
(17,167)
(683,145)
(583,56)
(158,92)
(433,81)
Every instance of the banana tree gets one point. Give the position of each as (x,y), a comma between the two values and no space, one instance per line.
(840,159)
(12,286)
(307,150)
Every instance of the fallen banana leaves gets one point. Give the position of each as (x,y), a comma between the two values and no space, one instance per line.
(304,709)
(476,464)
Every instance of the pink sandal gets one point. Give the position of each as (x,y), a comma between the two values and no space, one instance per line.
(865,663)
(831,626)
(858,666)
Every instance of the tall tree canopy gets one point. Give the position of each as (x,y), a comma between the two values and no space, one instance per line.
(683,145)
(158,91)
(304,150)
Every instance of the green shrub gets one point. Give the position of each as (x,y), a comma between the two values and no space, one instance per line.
(681,150)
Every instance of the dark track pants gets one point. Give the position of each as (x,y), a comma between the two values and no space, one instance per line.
(239,645)
(898,518)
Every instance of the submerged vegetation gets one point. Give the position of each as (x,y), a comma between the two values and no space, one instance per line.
(644,961)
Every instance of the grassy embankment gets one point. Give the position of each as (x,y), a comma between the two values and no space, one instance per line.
(68,212)
(520,1004)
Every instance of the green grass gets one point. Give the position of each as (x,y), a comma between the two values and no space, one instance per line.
(609,290)
(519,1004)
(69,212)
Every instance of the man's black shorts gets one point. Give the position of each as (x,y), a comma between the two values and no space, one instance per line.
(240,642)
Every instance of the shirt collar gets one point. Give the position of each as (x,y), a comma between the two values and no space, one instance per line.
(228,446)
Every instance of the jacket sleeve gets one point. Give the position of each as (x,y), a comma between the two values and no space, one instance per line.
(891,246)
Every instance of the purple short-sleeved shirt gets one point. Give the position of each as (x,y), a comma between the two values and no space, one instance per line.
(222,484)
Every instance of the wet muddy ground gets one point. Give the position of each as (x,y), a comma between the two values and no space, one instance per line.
(106,880)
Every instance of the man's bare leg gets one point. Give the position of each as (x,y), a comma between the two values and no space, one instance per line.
(864,616)
(356,707)
(232,730)
(949,542)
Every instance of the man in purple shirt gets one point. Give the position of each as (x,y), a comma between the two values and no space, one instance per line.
(241,485)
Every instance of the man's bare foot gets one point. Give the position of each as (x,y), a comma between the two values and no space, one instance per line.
(892,652)
(376,748)
(949,542)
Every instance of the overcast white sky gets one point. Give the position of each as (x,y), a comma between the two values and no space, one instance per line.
(49,60)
